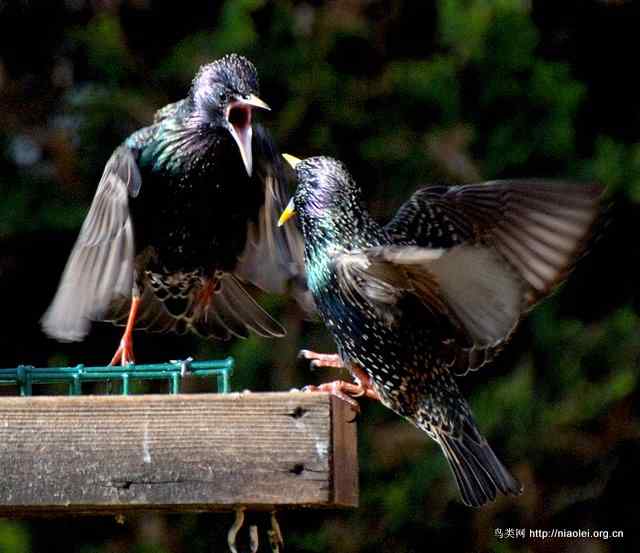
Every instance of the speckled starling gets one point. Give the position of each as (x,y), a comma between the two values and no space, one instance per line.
(435,292)
(185,212)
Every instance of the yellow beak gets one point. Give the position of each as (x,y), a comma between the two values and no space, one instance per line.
(291,160)
(288,212)
(253,100)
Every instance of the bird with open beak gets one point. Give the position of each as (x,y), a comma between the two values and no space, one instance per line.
(184,214)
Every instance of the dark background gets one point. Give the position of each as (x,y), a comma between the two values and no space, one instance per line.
(406,93)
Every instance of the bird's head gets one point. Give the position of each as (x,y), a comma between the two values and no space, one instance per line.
(224,93)
(326,198)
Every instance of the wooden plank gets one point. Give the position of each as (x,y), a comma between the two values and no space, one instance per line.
(188,452)
(345,454)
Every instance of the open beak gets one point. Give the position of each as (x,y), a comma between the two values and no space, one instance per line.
(238,115)
(288,212)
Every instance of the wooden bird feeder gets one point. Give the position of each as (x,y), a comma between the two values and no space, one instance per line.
(176,453)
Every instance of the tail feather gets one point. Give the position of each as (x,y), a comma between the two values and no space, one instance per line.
(213,311)
(478,472)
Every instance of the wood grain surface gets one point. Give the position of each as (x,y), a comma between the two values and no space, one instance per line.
(187,452)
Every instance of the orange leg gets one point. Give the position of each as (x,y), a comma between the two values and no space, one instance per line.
(344,390)
(364,381)
(124,354)
(317,360)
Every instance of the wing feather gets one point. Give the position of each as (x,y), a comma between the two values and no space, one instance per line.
(507,245)
(101,264)
(273,258)
(218,309)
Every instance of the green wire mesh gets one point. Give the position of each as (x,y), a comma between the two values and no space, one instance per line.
(24,376)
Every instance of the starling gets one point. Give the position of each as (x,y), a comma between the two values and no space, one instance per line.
(184,215)
(436,291)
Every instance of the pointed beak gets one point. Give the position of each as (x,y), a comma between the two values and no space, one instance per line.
(291,160)
(288,212)
(253,100)
(238,115)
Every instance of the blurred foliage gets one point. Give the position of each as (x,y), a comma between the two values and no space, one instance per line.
(405,93)
(14,537)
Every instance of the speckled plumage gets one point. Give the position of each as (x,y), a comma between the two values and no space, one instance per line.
(184,214)
(439,289)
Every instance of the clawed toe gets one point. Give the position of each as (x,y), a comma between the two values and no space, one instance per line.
(337,389)
(124,355)
(317,360)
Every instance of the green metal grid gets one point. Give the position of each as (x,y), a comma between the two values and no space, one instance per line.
(25,376)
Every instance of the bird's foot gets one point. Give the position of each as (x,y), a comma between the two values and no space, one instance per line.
(317,360)
(363,381)
(339,388)
(124,353)
(346,391)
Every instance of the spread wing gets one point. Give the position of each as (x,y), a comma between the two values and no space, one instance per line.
(101,264)
(539,227)
(480,255)
(273,258)
(217,308)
